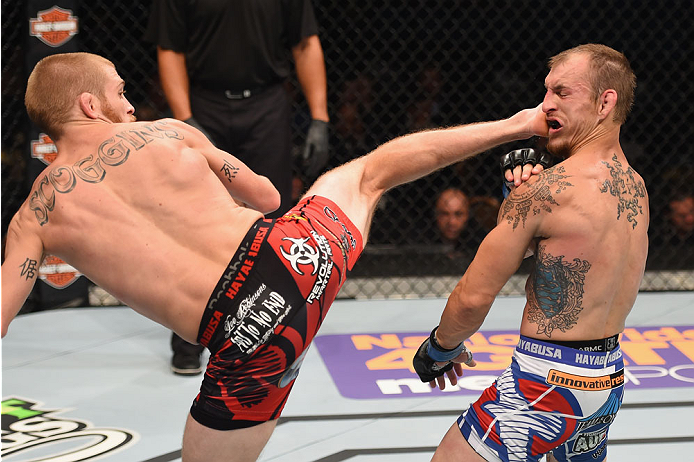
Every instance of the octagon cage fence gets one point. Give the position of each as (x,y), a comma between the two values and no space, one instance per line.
(398,67)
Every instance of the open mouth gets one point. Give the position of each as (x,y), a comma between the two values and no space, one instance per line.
(553,124)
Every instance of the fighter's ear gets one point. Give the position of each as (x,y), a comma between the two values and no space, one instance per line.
(89,105)
(607,102)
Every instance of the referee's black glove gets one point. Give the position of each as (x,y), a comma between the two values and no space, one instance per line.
(315,154)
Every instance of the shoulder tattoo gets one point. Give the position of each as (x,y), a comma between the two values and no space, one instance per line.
(536,197)
(112,152)
(626,188)
(555,292)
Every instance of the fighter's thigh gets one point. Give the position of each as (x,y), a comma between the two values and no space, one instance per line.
(203,444)
(345,186)
(453,446)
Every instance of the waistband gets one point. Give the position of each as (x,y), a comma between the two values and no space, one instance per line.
(234,277)
(568,355)
(600,345)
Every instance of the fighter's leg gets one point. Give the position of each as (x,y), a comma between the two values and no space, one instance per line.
(203,444)
(453,446)
(345,186)
(357,186)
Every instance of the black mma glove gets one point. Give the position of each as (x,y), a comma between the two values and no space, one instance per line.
(315,154)
(521,157)
(430,352)
(194,123)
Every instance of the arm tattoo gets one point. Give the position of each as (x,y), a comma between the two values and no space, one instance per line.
(28,269)
(229,171)
(112,152)
(555,292)
(535,198)
(626,189)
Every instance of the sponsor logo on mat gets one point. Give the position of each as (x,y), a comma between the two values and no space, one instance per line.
(38,434)
(379,365)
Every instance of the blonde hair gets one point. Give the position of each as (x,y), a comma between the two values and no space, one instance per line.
(56,82)
(609,69)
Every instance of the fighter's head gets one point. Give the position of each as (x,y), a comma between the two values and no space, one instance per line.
(69,86)
(589,87)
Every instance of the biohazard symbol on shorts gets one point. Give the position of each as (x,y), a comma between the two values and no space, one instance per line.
(301,253)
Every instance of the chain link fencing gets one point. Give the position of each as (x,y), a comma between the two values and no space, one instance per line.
(397,67)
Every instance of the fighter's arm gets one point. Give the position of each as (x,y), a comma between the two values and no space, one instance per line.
(497,259)
(20,269)
(243,184)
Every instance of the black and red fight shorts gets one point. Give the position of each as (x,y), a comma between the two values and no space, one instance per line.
(266,309)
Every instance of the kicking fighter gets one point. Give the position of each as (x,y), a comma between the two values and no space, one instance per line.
(147,211)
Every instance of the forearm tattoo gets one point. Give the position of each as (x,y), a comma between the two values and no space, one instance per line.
(29,269)
(112,152)
(555,292)
(229,171)
(626,188)
(537,197)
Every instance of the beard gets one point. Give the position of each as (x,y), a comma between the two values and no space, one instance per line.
(559,148)
(113,116)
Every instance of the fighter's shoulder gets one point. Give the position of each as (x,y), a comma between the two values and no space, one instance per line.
(25,221)
(545,187)
(183,130)
(542,195)
(167,127)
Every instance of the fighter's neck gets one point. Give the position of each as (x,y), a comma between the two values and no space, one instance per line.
(601,144)
(81,133)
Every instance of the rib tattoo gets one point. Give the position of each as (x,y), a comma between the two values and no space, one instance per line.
(555,292)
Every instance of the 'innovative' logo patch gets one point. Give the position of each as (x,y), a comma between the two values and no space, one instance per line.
(38,434)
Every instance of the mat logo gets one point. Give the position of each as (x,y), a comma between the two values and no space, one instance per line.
(36,433)
(53,26)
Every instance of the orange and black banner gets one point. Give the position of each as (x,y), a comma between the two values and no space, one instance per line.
(52,26)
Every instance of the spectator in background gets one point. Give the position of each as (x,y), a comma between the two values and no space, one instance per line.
(681,213)
(672,243)
(454,228)
(452,213)
(425,112)
(222,67)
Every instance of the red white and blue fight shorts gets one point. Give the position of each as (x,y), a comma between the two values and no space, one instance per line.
(552,398)
(266,309)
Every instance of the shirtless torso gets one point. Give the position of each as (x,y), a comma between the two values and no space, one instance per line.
(593,208)
(169,224)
